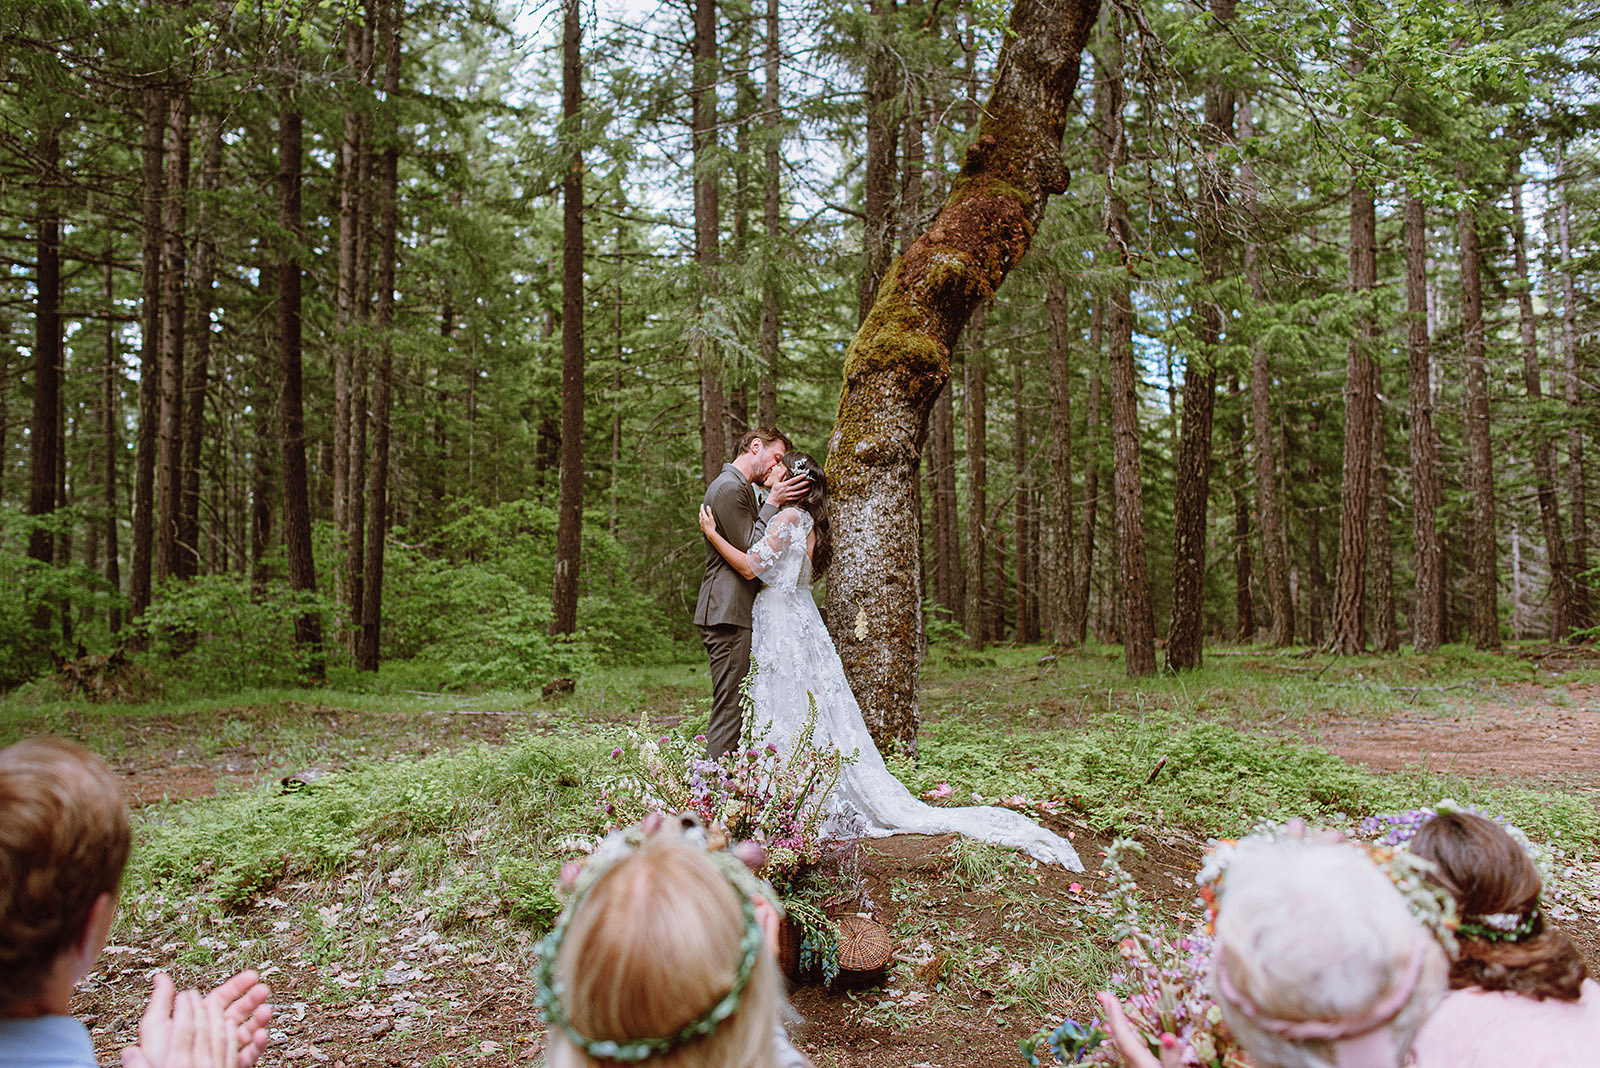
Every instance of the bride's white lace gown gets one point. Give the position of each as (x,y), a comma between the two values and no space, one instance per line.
(794,656)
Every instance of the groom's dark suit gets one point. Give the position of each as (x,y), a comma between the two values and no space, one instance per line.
(723,610)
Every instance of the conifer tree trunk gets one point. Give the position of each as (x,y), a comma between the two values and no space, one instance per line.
(975,409)
(899,360)
(44,420)
(707,225)
(878,225)
(198,372)
(569,516)
(1025,581)
(1264,451)
(355,527)
(1380,544)
(1544,475)
(1425,609)
(1578,561)
(1355,482)
(110,443)
(1083,562)
(153,189)
(771,225)
(1058,585)
(1137,615)
(1192,492)
(296,492)
(1244,605)
(1484,621)
(265,396)
(169,455)
(346,310)
(387,195)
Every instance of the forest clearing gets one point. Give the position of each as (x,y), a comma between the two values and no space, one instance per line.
(413,949)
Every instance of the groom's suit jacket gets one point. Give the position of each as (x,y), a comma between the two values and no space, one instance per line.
(726,597)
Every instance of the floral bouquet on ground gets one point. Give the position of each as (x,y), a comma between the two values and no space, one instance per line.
(760,794)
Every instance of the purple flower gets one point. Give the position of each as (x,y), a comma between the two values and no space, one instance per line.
(615,753)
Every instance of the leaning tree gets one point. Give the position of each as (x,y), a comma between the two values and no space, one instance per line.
(900,358)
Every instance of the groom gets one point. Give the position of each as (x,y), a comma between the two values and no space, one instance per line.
(723,611)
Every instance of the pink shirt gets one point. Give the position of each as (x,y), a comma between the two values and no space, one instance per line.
(1475,1028)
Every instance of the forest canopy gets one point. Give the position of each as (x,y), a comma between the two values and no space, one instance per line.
(374,331)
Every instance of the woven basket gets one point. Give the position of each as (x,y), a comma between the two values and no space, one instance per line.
(864,948)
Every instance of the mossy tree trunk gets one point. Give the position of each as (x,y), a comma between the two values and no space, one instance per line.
(900,358)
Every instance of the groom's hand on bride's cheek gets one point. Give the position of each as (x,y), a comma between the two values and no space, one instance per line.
(790,489)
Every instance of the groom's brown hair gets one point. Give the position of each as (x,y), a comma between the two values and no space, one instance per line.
(764,434)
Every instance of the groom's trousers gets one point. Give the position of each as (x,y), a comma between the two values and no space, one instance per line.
(728,646)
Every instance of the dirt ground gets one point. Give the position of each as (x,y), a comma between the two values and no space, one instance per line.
(441,1002)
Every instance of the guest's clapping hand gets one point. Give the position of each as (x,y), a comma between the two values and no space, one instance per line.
(182,1031)
(1129,1041)
(243,1000)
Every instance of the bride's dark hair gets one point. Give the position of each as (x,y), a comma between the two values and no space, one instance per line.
(816,503)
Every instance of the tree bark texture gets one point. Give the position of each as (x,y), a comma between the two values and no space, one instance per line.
(878,225)
(707,224)
(1263,433)
(1578,558)
(1484,622)
(1380,543)
(1083,561)
(387,196)
(1544,476)
(1059,549)
(153,189)
(900,359)
(569,514)
(1025,581)
(169,453)
(1244,603)
(110,444)
(44,421)
(292,425)
(197,374)
(771,225)
(346,311)
(1192,492)
(975,411)
(1349,596)
(1425,619)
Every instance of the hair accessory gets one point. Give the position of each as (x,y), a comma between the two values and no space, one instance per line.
(549,989)
(1375,1016)
(800,468)
(1500,926)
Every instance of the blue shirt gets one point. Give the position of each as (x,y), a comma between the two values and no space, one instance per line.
(45,1042)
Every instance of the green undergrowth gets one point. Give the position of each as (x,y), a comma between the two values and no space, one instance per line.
(471,830)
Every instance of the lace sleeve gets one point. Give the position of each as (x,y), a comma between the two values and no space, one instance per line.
(776,557)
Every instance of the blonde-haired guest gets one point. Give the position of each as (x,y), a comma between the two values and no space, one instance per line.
(664,958)
(1318,962)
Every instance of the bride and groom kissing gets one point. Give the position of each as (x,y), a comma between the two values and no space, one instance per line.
(755,607)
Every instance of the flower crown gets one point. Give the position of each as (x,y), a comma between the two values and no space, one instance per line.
(550,989)
(1501,926)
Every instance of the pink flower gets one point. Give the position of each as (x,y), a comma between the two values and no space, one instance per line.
(1075,888)
(942,790)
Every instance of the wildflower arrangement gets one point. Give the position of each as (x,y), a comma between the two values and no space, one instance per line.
(1165,982)
(758,793)
(1163,986)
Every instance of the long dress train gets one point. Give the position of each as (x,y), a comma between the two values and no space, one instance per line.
(795,661)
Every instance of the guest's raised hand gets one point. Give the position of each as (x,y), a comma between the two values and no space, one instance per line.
(1130,1042)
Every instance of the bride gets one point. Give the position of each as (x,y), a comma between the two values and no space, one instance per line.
(794,661)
